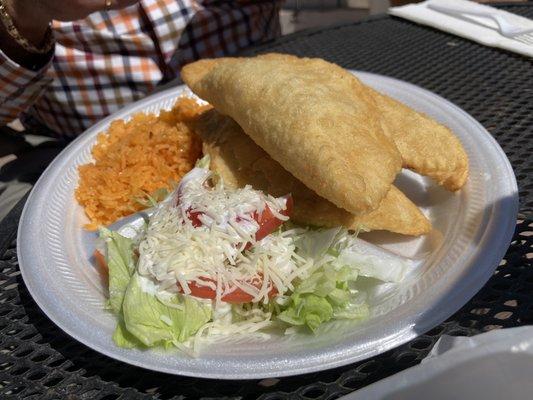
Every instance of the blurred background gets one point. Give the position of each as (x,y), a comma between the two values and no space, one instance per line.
(303,14)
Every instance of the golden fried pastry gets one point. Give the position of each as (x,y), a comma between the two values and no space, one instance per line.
(426,146)
(312,117)
(240,161)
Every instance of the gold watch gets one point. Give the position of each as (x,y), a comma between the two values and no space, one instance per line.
(48,41)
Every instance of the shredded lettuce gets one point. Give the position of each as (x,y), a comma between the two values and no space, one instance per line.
(307,309)
(323,296)
(326,291)
(339,259)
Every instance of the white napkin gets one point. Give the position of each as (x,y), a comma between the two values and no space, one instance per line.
(487,35)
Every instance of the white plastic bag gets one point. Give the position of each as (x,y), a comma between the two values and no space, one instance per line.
(491,366)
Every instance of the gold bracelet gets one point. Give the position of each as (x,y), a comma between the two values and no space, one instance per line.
(48,41)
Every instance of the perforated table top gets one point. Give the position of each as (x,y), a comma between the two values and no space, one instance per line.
(38,360)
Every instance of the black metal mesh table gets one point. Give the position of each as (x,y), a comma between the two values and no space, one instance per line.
(37,360)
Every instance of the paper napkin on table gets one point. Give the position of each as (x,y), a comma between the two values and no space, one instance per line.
(487,35)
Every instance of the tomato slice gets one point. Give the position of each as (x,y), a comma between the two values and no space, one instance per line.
(267,224)
(267,221)
(236,296)
(102,267)
(194,217)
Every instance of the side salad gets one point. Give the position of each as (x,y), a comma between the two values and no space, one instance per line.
(213,260)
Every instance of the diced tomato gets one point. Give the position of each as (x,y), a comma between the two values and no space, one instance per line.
(268,223)
(194,217)
(102,266)
(204,292)
(235,297)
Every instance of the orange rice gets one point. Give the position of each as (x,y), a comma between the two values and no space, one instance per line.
(134,159)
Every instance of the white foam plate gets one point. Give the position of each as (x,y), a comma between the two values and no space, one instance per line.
(473,229)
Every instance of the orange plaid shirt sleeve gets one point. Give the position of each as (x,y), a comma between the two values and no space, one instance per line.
(112,58)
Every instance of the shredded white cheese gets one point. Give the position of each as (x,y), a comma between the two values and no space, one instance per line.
(174,253)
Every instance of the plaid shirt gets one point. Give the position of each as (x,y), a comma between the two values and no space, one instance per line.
(112,58)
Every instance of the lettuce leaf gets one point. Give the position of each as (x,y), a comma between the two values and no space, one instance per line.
(120,259)
(123,338)
(374,262)
(343,249)
(203,162)
(315,243)
(352,310)
(143,320)
(154,323)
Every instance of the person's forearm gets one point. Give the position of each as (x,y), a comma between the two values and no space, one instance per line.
(32,19)
(32,24)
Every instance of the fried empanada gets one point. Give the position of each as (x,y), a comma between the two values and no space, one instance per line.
(312,117)
(240,161)
(426,146)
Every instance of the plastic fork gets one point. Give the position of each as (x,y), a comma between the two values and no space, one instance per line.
(506,27)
